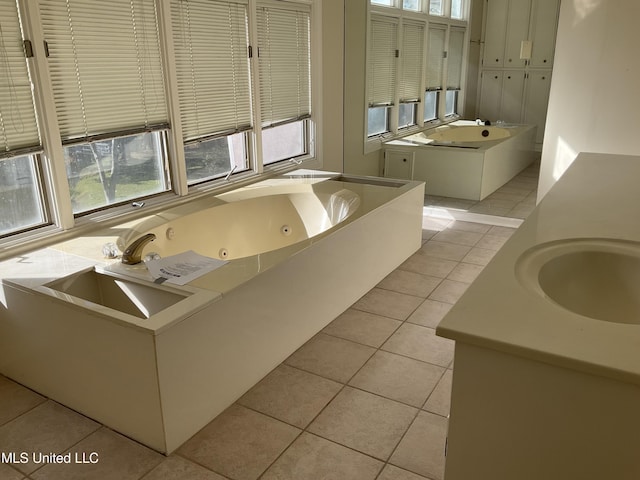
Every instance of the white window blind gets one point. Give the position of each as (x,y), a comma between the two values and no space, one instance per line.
(18,126)
(454,68)
(105,66)
(383,48)
(411,55)
(435,56)
(212,66)
(284,56)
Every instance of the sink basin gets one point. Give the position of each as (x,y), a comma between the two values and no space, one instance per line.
(595,278)
(139,299)
(130,301)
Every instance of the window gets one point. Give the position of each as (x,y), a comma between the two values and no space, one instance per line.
(145,98)
(412,5)
(210,40)
(414,66)
(22,204)
(457,9)
(108,86)
(215,157)
(451,101)
(381,75)
(285,74)
(116,170)
(435,66)
(431,99)
(436,7)
(407,115)
(410,81)
(378,120)
(454,69)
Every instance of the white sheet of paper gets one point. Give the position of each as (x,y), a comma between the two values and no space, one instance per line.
(182,268)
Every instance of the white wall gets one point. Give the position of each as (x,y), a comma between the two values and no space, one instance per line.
(595,90)
(332,84)
(355,68)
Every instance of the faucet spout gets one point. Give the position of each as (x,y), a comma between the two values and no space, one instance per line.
(133,253)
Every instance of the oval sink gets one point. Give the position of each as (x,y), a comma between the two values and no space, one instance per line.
(595,278)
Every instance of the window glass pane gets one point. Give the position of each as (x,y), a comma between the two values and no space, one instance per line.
(20,202)
(112,171)
(378,121)
(388,3)
(283,142)
(435,7)
(451,100)
(430,105)
(456,8)
(215,158)
(411,5)
(407,115)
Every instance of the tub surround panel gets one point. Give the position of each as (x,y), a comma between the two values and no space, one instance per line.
(538,390)
(160,380)
(101,369)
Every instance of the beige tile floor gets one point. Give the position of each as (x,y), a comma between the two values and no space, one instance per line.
(366,398)
(516,199)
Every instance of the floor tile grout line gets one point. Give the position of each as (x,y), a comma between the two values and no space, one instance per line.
(45,400)
(195,462)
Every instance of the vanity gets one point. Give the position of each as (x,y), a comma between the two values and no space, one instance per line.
(546,382)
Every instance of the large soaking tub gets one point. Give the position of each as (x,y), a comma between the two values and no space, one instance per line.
(249,226)
(461,159)
(301,248)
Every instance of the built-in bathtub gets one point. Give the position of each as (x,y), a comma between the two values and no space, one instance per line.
(248,226)
(461,159)
(161,379)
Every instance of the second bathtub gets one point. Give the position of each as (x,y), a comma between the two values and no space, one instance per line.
(461,160)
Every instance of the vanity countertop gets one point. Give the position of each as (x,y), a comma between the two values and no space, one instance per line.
(596,198)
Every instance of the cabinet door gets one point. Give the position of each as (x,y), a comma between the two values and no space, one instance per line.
(495,33)
(490,95)
(512,96)
(398,164)
(537,99)
(517,31)
(544,24)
